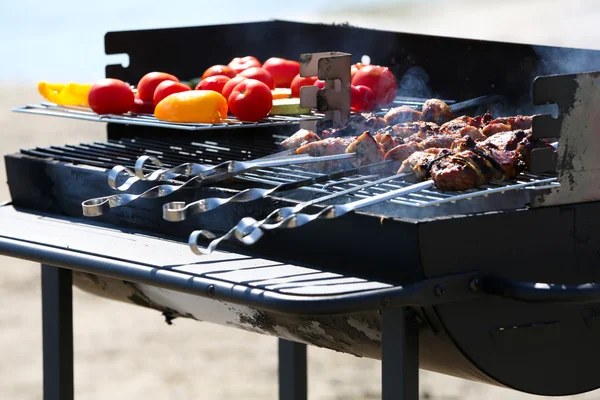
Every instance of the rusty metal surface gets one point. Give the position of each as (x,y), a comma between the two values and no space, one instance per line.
(577,128)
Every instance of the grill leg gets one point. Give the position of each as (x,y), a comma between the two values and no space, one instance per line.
(292,371)
(57,327)
(399,355)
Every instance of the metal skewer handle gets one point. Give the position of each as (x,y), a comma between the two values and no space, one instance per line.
(100,205)
(279,215)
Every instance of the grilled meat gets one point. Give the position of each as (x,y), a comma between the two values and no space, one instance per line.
(387,140)
(300,138)
(326,147)
(356,126)
(517,122)
(492,129)
(468,164)
(419,162)
(401,114)
(403,151)
(367,150)
(437,111)
(416,131)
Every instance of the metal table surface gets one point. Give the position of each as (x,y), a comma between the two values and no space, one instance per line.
(62,244)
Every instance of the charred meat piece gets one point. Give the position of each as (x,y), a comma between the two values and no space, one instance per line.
(419,162)
(300,138)
(367,150)
(456,124)
(326,147)
(472,132)
(517,122)
(481,120)
(403,151)
(387,140)
(437,111)
(492,129)
(464,143)
(464,170)
(401,114)
(439,141)
(416,130)
(355,126)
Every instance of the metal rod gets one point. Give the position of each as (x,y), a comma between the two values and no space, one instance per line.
(178,211)
(57,327)
(249,226)
(399,355)
(292,371)
(100,205)
(249,231)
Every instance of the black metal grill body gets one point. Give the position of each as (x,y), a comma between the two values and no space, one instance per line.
(538,348)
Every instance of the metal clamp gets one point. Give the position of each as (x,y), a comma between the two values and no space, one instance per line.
(334,99)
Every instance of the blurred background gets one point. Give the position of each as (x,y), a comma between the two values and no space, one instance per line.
(127,352)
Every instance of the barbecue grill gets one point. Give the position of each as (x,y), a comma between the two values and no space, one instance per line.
(494,284)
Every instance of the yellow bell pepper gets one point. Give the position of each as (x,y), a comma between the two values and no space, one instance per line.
(70,94)
(200,106)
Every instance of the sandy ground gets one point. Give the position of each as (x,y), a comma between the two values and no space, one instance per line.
(128,352)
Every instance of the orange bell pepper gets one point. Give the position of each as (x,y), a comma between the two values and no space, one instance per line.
(200,106)
(70,94)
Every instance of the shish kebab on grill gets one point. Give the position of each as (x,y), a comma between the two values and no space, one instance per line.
(456,153)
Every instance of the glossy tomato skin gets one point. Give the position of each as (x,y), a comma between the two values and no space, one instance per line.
(299,81)
(380,80)
(319,83)
(215,83)
(260,74)
(167,88)
(362,99)
(231,84)
(239,64)
(110,96)
(142,107)
(251,100)
(354,68)
(282,70)
(147,85)
(219,70)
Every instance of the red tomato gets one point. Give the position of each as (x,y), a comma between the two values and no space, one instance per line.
(299,81)
(362,99)
(240,64)
(380,80)
(147,85)
(167,88)
(354,68)
(110,96)
(142,107)
(219,70)
(251,100)
(231,84)
(260,74)
(282,70)
(319,83)
(215,83)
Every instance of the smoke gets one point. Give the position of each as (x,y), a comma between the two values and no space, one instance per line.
(415,83)
(556,60)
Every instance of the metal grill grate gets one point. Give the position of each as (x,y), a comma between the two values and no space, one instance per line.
(423,198)
(84,113)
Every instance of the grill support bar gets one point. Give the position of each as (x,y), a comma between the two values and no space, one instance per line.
(292,371)
(57,332)
(399,355)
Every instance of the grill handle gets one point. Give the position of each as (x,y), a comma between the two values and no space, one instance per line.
(538,292)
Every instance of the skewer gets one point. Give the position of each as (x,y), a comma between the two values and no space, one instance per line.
(279,215)
(164,174)
(100,205)
(178,211)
